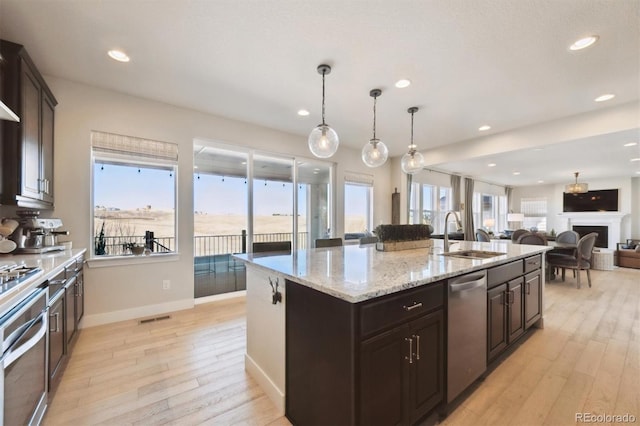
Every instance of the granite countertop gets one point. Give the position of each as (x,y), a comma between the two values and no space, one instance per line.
(358,273)
(51,264)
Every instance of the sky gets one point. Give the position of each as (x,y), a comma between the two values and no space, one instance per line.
(124,187)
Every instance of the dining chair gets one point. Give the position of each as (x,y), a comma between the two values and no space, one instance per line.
(578,261)
(533,239)
(567,237)
(275,247)
(368,240)
(328,242)
(482,236)
(517,234)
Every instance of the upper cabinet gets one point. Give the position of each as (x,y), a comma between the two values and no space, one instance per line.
(27,157)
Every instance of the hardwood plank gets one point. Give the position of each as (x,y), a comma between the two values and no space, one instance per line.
(190,369)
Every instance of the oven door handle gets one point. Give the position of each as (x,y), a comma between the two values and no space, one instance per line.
(15,353)
(15,335)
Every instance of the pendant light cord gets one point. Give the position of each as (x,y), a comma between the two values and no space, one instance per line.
(323,98)
(375,98)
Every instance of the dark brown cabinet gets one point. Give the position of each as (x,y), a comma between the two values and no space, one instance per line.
(402,372)
(532,298)
(374,362)
(66,309)
(56,335)
(27,169)
(514,302)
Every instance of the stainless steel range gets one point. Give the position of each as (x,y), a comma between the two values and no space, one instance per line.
(23,335)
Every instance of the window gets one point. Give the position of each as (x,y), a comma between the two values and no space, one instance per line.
(535,213)
(134,195)
(358,204)
(433,201)
(490,212)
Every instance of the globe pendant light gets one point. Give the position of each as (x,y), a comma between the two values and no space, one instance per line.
(375,153)
(412,162)
(323,140)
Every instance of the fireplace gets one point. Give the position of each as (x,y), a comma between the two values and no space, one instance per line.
(611,221)
(602,231)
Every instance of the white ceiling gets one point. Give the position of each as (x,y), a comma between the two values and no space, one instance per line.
(500,62)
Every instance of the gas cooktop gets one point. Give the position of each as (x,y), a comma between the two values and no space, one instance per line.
(12,274)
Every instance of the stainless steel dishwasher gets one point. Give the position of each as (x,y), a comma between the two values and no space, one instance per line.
(467,331)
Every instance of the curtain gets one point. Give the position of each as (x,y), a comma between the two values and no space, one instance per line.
(455,192)
(409,194)
(467,220)
(508,192)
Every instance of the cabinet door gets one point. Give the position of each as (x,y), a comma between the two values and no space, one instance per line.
(496,317)
(56,337)
(515,309)
(70,311)
(384,377)
(532,298)
(427,375)
(30,122)
(46,182)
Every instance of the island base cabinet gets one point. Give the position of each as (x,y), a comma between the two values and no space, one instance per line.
(496,320)
(402,372)
(320,348)
(532,298)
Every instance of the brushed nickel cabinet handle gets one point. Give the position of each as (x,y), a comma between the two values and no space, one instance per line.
(57,329)
(412,307)
(410,357)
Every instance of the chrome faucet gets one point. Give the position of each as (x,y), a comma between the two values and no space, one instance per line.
(446,228)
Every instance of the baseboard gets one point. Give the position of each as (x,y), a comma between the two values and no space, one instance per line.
(219,297)
(133,313)
(270,388)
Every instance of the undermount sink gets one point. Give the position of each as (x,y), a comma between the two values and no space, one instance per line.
(473,254)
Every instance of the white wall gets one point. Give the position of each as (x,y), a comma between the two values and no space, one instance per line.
(628,199)
(124,292)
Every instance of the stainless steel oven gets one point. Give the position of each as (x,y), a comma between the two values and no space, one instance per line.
(23,366)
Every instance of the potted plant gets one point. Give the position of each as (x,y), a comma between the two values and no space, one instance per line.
(403,237)
(136,249)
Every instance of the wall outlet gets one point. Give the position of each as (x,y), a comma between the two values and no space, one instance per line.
(166,284)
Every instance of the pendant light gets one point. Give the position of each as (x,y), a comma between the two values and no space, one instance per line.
(576,188)
(323,140)
(375,153)
(412,162)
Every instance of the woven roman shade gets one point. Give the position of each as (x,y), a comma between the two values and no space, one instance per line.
(126,148)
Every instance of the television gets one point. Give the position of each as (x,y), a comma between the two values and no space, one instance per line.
(605,200)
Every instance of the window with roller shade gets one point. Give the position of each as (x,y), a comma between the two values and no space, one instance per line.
(535,213)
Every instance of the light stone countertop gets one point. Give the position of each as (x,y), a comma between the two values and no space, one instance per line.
(51,263)
(358,273)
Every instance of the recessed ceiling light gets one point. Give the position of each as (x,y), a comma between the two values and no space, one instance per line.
(484,128)
(195,167)
(638,172)
(516,173)
(631,144)
(118,55)
(584,42)
(538,149)
(243,163)
(303,112)
(491,165)
(540,181)
(401,84)
(606,97)
(635,159)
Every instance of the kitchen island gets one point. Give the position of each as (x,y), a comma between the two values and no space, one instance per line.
(358,336)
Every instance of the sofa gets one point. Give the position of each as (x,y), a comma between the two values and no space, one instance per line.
(628,254)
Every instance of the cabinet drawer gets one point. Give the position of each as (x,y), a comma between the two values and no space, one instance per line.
(503,273)
(532,263)
(57,283)
(395,309)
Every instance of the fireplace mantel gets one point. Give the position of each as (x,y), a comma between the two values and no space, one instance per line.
(613,220)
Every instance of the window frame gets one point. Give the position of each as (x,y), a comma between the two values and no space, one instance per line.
(369,205)
(125,259)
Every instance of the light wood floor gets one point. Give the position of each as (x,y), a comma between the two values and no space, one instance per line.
(189,370)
